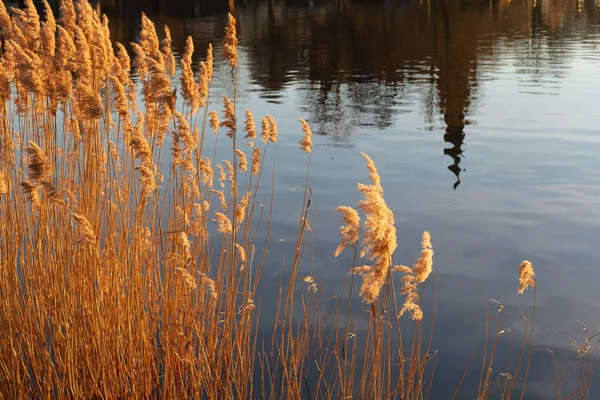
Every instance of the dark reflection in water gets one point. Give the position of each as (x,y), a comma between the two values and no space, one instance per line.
(364,63)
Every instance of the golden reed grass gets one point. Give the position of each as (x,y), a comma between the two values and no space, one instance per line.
(128,271)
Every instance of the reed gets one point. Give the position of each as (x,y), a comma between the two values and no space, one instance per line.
(128,271)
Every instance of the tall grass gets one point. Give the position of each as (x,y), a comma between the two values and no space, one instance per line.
(130,257)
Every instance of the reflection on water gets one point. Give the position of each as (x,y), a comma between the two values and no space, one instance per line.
(361,64)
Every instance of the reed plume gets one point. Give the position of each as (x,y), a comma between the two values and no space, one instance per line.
(349,232)
(48,33)
(214,121)
(189,87)
(379,242)
(39,163)
(255,161)
(166,48)
(207,172)
(187,279)
(418,274)
(229,118)
(241,252)
(526,276)
(306,142)
(149,40)
(250,128)
(243,163)
(205,76)
(6,26)
(85,231)
(230,43)
(68,17)
(312,285)
(269,129)
(223,223)
(32,194)
(240,209)
(210,284)
(3,184)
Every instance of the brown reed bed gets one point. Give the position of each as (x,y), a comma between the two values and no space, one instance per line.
(130,257)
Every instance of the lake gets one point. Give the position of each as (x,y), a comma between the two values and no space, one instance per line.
(483,119)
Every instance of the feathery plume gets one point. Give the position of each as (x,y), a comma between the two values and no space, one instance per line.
(31,25)
(53,194)
(241,252)
(82,66)
(243,163)
(207,172)
(32,194)
(223,223)
(379,241)
(214,121)
(229,167)
(250,127)
(184,133)
(6,27)
(183,241)
(349,232)
(39,163)
(3,184)
(149,40)
(84,232)
(221,197)
(306,142)
(166,47)
(205,76)
(222,175)
(140,63)
(89,103)
(424,264)
(187,279)
(48,32)
(147,177)
(230,43)
(120,98)
(418,274)
(229,118)
(123,57)
(312,285)
(255,161)
(210,284)
(526,276)
(189,87)
(240,209)
(68,16)
(269,129)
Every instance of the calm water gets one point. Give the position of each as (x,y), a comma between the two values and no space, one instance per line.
(483,119)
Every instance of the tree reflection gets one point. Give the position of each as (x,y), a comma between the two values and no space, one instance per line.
(364,63)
